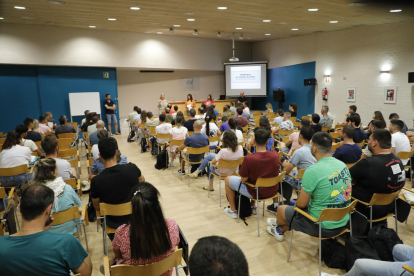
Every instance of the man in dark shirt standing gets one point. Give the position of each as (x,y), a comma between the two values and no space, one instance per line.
(241,99)
(114,184)
(189,124)
(32,135)
(382,173)
(110,113)
(64,127)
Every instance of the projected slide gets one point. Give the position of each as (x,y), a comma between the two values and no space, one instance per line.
(246,77)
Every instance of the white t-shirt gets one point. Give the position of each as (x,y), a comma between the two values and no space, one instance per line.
(228,155)
(239,135)
(175,131)
(95,150)
(15,156)
(163,129)
(278,120)
(400,142)
(64,169)
(213,132)
(30,144)
(246,110)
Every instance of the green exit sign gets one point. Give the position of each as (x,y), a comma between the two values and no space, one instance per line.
(106,75)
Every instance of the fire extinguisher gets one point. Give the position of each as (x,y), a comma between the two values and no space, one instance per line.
(325,94)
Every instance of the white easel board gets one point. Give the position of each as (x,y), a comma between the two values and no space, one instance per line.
(81,101)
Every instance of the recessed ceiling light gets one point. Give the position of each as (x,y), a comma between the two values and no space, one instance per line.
(239,28)
(395,10)
(92,26)
(222,8)
(333,22)
(190,19)
(266,20)
(1,18)
(177,26)
(295,29)
(312,9)
(267,34)
(112,19)
(135,8)
(159,32)
(19,8)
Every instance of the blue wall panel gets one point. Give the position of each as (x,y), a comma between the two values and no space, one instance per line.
(290,79)
(37,89)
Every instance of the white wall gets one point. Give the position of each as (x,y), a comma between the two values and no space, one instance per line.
(47,45)
(144,89)
(358,55)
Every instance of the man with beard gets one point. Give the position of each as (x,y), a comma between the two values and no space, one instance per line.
(325,184)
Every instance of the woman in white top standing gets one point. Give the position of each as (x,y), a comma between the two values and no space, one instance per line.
(210,128)
(231,151)
(14,154)
(162,104)
(179,132)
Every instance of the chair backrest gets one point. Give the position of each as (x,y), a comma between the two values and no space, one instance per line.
(142,125)
(293,151)
(176,142)
(65,216)
(335,146)
(86,134)
(293,119)
(275,125)
(350,165)
(64,143)
(230,164)
(14,170)
(154,269)
(285,132)
(326,128)
(245,128)
(361,143)
(338,126)
(38,143)
(190,133)
(67,135)
(2,140)
(244,135)
(219,124)
(68,152)
(214,139)
(71,182)
(163,136)
(383,199)
(271,113)
(405,154)
(300,174)
(335,214)
(306,117)
(3,193)
(191,150)
(74,163)
(258,113)
(115,209)
(335,135)
(74,124)
(269,182)
(296,124)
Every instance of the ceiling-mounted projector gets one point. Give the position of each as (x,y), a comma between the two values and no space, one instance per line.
(233,58)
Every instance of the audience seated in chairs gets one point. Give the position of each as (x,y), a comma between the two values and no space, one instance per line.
(190,122)
(246,108)
(241,117)
(225,124)
(232,108)
(113,185)
(64,127)
(286,124)
(36,127)
(352,109)
(43,125)
(51,149)
(162,128)
(31,135)
(315,118)
(326,184)
(151,120)
(22,130)
(148,237)
(382,173)
(262,164)
(134,113)
(279,118)
(217,256)
(399,141)
(179,132)
(46,173)
(375,124)
(230,151)
(88,122)
(49,118)
(197,140)
(86,112)
(137,116)
(93,138)
(35,251)
(210,128)
(302,159)
(233,127)
(394,116)
(326,120)
(93,128)
(293,141)
(354,120)
(349,152)
(263,124)
(14,154)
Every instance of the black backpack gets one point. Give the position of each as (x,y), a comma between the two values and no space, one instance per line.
(162,160)
(143,144)
(357,248)
(384,239)
(91,210)
(333,254)
(130,136)
(245,206)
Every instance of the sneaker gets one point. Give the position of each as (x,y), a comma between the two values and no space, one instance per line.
(272,222)
(230,213)
(272,209)
(276,232)
(181,172)
(193,175)
(254,210)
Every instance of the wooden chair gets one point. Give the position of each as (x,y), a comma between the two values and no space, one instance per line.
(335,146)
(11,197)
(339,126)
(67,135)
(64,143)
(283,132)
(5,172)
(246,128)
(350,165)
(89,163)
(406,155)
(293,119)
(69,153)
(361,144)
(223,164)
(298,177)
(335,135)
(74,124)
(262,183)
(258,113)
(74,163)
(2,140)
(190,133)
(75,184)
(154,269)
(162,136)
(326,129)
(175,142)
(296,124)
(328,214)
(219,124)
(112,210)
(189,151)
(276,125)
(1,134)
(212,140)
(381,200)
(152,131)
(307,117)
(408,268)
(73,214)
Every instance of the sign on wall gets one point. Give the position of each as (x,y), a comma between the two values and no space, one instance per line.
(390,94)
(190,84)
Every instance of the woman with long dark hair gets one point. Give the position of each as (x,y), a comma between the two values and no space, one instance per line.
(230,151)
(149,237)
(14,154)
(210,128)
(293,110)
(263,124)
(189,104)
(209,101)
(233,127)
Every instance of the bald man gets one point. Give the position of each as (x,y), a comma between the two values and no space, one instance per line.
(242,98)
(100,125)
(197,140)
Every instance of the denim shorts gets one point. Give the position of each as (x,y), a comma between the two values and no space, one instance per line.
(111,117)
(16,180)
(235,183)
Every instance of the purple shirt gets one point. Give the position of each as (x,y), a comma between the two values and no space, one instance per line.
(224,127)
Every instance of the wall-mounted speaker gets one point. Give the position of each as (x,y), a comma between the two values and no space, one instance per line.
(310,82)
(411,77)
(279,96)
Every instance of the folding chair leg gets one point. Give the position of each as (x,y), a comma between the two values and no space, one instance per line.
(238,212)
(258,213)
(320,249)
(188,172)
(86,238)
(350,223)
(105,238)
(395,214)
(263,207)
(370,217)
(290,245)
(208,180)
(219,188)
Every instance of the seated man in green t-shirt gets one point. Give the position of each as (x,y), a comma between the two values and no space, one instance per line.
(34,251)
(326,184)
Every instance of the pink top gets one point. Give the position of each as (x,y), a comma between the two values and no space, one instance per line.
(178,134)
(121,242)
(228,155)
(44,128)
(294,138)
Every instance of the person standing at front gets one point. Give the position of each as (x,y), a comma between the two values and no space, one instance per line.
(162,104)
(110,114)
